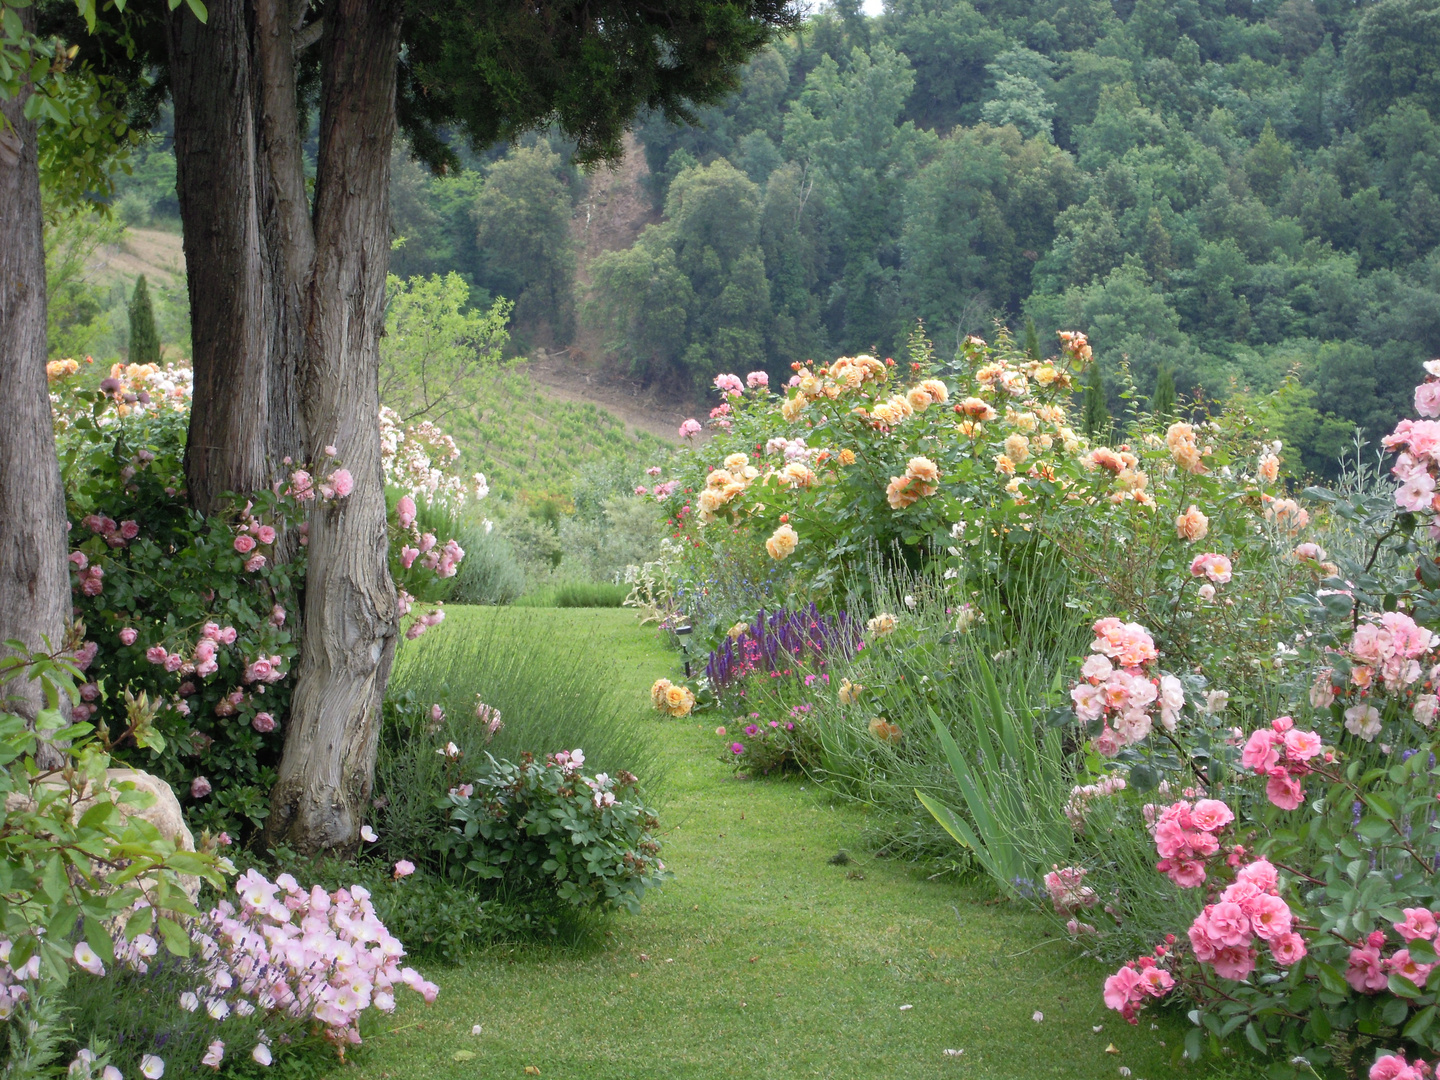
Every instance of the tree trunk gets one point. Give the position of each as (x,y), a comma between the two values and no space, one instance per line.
(284,208)
(230,309)
(34,574)
(326,774)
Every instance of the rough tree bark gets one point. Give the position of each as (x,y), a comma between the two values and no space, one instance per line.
(326,774)
(216,182)
(34,574)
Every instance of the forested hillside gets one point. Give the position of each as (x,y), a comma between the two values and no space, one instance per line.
(1234,191)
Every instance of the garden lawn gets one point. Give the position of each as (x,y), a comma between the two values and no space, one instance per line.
(762,958)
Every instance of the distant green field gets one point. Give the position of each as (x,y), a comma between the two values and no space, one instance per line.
(530,446)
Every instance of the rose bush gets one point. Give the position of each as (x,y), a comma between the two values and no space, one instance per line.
(186,625)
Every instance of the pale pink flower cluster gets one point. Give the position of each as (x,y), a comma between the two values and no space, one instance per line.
(690,428)
(1068,892)
(1395,1067)
(1418,442)
(1250,908)
(1185,838)
(1117,688)
(1389,651)
(1283,753)
(1138,981)
(116,534)
(1077,807)
(314,955)
(91,579)
(1368,971)
(730,385)
(489,718)
(1212,566)
(434,617)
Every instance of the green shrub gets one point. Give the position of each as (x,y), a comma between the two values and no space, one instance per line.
(577,594)
(548,833)
(490,573)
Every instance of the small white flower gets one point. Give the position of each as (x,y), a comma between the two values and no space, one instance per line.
(110,1072)
(1037,1016)
(261,1054)
(189,1002)
(475,1030)
(1124,1071)
(953,1053)
(368,834)
(904,1008)
(152,1067)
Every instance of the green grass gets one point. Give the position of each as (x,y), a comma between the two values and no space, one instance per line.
(764,959)
(530,446)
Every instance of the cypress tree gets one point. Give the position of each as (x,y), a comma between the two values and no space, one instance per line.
(1163,403)
(1095,415)
(1032,340)
(144,339)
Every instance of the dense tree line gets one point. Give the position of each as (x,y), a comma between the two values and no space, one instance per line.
(1234,191)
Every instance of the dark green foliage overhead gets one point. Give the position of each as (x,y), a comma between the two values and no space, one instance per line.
(144,338)
(494,70)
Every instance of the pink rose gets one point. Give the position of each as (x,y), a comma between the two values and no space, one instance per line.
(1210,815)
(404,868)
(1229,925)
(244,543)
(1364,973)
(199,787)
(1260,753)
(1302,745)
(128,635)
(263,722)
(129,530)
(760,378)
(227,636)
(1427,399)
(344,483)
(1121,987)
(1419,923)
(79,559)
(1234,962)
(265,534)
(1406,967)
(156,654)
(1288,949)
(690,428)
(405,511)
(1284,790)
(1261,873)
(277,615)
(254,563)
(204,650)
(1394,1067)
(1270,917)
(174,661)
(408,555)
(207,668)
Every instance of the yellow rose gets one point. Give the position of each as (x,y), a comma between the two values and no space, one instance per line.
(782,542)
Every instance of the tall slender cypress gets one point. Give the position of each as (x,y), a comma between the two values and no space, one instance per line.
(144,339)
(1162,404)
(1032,340)
(1095,416)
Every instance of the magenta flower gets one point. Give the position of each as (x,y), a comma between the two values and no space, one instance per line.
(751,730)
(737,748)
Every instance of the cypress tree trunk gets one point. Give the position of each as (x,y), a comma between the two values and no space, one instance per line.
(326,774)
(34,574)
(230,308)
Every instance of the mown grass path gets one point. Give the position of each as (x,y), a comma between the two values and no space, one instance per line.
(762,959)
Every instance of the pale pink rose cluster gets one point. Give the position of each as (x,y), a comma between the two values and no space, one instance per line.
(90,578)
(1283,753)
(1137,982)
(1368,970)
(690,428)
(1068,892)
(1117,688)
(1418,442)
(1185,839)
(418,460)
(249,534)
(1395,1067)
(1250,909)
(1213,567)
(1285,514)
(116,534)
(729,385)
(1077,807)
(434,617)
(311,954)
(1389,651)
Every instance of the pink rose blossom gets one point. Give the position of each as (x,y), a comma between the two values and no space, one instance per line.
(1288,949)
(344,483)
(128,635)
(227,636)
(1234,962)
(1419,922)
(265,534)
(199,787)
(404,868)
(757,379)
(690,428)
(79,559)
(244,543)
(156,654)
(1260,753)
(1284,790)
(405,511)
(263,722)
(1364,973)
(1210,815)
